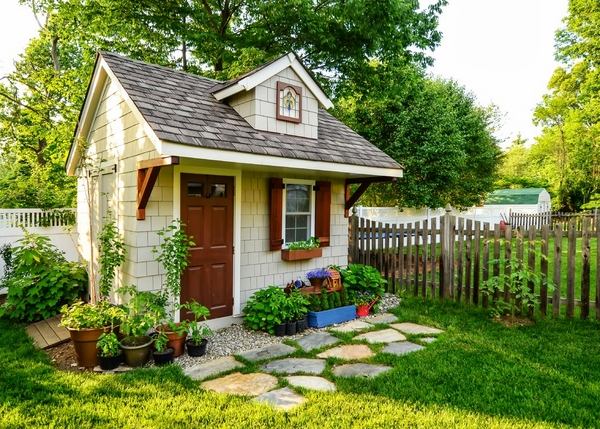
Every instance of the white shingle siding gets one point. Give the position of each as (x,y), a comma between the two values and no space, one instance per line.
(258,107)
(261,267)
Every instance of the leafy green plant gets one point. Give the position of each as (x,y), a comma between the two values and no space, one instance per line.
(315,303)
(111,254)
(40,280)
(336,300)
(81,315)
(310,244)
(521,282)
(324,301)
(160,342)
(362,282)
(363,298)
(344,297)
(108,345)
(265,309)
(143,311)
(298,305)
(196,330)
(173,255)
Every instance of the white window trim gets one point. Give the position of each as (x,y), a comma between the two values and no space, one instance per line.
(312,205)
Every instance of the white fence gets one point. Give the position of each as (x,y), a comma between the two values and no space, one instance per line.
(57,224)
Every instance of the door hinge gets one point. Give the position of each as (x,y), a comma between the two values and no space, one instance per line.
(233,250)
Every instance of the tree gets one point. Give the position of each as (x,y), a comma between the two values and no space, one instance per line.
(40,100)
(569,146)
(519,168)
(435,129)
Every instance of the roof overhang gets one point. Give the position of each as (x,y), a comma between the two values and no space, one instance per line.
(251,159)
(254,79)
(102,73)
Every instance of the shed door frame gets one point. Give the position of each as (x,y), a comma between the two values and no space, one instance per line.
(237,217)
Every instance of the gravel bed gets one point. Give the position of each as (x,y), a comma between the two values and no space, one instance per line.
(234,340)
(237,338)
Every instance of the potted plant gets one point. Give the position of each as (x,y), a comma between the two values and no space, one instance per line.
(287,315)
(264,311)
(364,301)
(298,309)
(86,323)
(317,277)
(143,311)
(198,333)
(176,334)
(109,352)
(365,286)
(162,354)
(302,250)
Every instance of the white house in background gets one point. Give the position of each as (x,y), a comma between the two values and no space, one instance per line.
(248,165)
(497,207)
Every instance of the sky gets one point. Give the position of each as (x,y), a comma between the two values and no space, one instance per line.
(501,50)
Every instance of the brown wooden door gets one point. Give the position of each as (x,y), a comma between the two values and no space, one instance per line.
(207,211)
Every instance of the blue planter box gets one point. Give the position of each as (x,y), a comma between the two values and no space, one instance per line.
(319,319)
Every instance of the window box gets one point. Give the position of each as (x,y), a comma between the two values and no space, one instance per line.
(320,319)
(301,254)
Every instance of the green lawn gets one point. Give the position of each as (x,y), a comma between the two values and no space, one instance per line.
(479,374)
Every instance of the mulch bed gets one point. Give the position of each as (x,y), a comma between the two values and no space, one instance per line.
(514,321)
(63,357)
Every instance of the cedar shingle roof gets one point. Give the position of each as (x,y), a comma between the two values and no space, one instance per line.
(180,108)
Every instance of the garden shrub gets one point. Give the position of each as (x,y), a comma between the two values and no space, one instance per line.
(40,280)
(363,282)
(264,310)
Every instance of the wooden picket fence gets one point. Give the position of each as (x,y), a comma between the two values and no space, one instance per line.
(450,258)
(525,220)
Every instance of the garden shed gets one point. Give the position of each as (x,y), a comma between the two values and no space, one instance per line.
(248,165)
(525,200)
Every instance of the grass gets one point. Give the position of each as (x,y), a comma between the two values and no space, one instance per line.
(478,374)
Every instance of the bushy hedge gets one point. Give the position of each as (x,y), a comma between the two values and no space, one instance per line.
(39,280)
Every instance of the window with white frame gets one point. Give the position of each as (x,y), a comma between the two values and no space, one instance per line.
(298,205)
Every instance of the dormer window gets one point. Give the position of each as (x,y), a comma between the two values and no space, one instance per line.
(289,102)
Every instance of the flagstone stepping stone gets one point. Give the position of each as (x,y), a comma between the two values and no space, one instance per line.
(365,370)
(316,341)
(382,318)
(268,352)
(311,382)
(383,336)
(213,367)
(353,326)
(348,352)
(253,384)
(295,366)
(414,329)
(427,340)
(284,399)
(402,348)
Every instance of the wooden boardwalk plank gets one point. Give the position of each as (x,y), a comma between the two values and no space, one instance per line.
(48,333)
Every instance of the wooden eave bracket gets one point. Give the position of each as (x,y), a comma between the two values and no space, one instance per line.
(364,183)
(147,173)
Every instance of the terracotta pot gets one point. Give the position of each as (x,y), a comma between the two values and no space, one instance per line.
(196,350)
(136,350)
(316,284)
(176,341)
(85,341)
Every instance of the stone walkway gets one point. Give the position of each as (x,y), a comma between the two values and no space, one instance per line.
(304,373)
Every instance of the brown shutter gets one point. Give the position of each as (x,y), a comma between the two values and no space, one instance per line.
(323,212)
(275,213)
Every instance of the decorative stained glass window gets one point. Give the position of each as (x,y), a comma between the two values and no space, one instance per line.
(289,102)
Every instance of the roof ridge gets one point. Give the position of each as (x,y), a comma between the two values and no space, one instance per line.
(170,69)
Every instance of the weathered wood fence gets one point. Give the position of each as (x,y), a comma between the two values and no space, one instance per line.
(525,220)
(451,258)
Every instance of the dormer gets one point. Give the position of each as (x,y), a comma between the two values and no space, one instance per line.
(280,97)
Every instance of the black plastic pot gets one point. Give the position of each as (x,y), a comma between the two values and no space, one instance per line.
(163,358)
(290,328)
(280,330)
(196,350)
(110,362)
(301,325)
